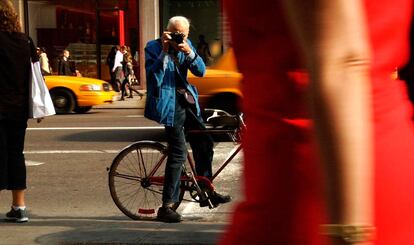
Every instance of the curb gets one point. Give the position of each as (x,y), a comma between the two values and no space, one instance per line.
(128,103)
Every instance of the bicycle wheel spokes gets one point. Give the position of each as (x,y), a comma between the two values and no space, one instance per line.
(130,179)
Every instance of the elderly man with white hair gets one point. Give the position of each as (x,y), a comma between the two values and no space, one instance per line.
(173,102)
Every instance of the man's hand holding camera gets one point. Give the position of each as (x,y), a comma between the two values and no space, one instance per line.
(175,40)
(165,39)
(184,47)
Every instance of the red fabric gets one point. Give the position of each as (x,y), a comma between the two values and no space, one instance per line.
(283,186)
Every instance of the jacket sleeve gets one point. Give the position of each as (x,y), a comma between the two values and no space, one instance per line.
(195,63)
(155,63)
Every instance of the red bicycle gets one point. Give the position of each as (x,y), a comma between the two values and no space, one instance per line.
(136,175)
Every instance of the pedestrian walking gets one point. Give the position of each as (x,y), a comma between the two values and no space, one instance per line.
(203,49)
(129,75)
(15,55)
(110,61)
(66,66)
(117,69)
(44,61)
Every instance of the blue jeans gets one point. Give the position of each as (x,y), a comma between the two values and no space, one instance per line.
(12,162)
(201,144)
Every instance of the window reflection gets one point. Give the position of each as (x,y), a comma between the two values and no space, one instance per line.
(57,25)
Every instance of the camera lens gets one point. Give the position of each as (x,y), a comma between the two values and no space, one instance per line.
(177,37)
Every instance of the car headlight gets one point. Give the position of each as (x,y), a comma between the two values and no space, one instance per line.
(90,87)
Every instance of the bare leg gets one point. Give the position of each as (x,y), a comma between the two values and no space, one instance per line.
(18,198)
(139,93)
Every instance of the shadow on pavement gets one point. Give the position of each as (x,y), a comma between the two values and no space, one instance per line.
(105,231)
(127,135)
(116,136)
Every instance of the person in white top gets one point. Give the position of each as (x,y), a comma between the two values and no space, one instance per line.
(44,61)
(117,69)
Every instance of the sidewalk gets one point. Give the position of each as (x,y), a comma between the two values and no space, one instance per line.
(104,231)
(128,103)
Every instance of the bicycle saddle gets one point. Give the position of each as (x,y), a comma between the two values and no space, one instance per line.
(222,119)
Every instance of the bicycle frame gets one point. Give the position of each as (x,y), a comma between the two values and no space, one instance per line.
(191,177)
(230,157)
(159,180)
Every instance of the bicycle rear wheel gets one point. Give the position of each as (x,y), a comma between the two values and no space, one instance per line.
(136,179)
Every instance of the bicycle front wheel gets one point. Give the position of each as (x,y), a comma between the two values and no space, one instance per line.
(136,179)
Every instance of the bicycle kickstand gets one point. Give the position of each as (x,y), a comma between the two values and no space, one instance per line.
(202,194)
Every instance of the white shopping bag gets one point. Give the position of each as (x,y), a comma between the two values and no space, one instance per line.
(40,102)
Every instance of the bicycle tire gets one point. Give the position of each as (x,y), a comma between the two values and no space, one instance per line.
(128,185)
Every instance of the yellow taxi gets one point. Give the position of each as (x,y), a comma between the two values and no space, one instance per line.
(220,88)
(78,94)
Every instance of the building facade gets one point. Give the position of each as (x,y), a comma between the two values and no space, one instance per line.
(89,28)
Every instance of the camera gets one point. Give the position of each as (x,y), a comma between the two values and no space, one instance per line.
(177,37)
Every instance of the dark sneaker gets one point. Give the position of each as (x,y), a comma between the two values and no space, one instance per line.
(18,216)
(166,214)
(216,199)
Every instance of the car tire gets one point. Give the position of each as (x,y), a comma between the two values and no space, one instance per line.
(82,109)
(63,100)
(227,102)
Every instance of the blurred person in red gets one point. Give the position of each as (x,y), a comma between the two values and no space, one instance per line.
(343,177)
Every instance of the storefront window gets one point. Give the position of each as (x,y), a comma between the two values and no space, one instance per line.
(60,24)
(205,17)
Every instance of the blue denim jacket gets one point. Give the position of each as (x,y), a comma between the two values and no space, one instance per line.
(160,73)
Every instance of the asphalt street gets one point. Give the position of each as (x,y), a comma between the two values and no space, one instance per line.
(68,197)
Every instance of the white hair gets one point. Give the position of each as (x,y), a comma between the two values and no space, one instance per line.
(178,19)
